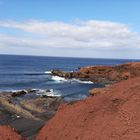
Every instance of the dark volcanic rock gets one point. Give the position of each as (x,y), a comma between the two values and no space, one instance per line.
(26,111)
(62,73)
(19,93)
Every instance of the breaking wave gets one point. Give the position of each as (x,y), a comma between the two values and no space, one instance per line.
(47,72)
(39,92)
(59,79)
(62,79)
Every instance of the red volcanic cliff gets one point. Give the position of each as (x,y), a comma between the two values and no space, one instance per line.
(7,133)
(113,114)
(104,74)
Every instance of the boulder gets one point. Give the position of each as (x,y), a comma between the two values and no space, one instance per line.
(19,93)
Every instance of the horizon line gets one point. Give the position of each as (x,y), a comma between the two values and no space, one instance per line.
(70,57)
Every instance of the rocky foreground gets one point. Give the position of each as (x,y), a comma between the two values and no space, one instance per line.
(111,113)
(26,111)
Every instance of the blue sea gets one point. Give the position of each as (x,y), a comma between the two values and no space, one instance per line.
(33,72)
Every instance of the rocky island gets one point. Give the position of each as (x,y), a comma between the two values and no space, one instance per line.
(110,113)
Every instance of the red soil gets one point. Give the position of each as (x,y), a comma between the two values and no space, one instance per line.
(113,114)
(7,133)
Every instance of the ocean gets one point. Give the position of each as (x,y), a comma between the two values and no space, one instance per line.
(33,72)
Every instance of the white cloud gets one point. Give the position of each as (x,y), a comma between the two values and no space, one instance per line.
(80,35)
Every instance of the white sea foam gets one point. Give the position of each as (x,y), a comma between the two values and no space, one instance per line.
(39,92)
(13,91)
(49,92)
(62,79)
(59,79)
(48,72)
(82,82)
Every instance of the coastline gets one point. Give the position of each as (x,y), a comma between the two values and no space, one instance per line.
(118,76)
(112,114)
(103,74)
(26,111)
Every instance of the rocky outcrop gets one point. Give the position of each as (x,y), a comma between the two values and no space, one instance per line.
(113,114)
(19,93)
(8,133)
(28,110)
(30,103)
(103,74)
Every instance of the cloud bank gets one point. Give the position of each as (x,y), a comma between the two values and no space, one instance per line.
(80,38)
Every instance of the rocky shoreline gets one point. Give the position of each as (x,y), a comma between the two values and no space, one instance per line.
(99,116)
(27,110)
(103,74)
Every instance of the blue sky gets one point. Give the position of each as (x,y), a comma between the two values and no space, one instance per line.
(82,28)
(125,11)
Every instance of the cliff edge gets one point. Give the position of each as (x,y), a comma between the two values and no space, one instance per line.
(113,114)
(103,74)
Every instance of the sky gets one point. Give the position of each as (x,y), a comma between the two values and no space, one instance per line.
(71,28)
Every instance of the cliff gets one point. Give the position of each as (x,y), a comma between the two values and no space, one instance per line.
(113,114)
(103,74)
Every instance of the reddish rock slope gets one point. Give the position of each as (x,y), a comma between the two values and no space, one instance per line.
(113,114)
(7,133)
(104,74)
